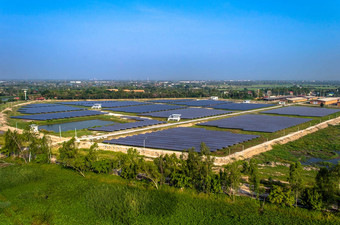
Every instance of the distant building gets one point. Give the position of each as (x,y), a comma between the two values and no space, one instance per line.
(97,106)
(325,101)
(296,99)
(277,98)
(75,82)
(174,117)
(126,90)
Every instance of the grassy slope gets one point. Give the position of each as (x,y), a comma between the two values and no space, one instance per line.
(37,194)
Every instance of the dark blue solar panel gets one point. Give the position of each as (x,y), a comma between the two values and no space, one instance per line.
(303,111)
(145,108)
(40,105)
(241,106)
(48,109)
(201,103)
(61,115)
(261,123)
(170,100)
(124,126)
(188,113)
(182,138)
(105,104)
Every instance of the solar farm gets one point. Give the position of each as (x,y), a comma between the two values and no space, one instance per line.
(124,126)
(201,103)
(168,101)
(177,138)
(260,123)
(60,115)
(241,106)
(181,138)
(105,104)
(145,108)
(47,109)
(188,113)
(303,111)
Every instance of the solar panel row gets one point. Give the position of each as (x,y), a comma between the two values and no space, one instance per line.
(182,138)
(241,106)
(61,115)
(261,123)
(201,103)
(40,105)
(303,111)
(170,100)
(48,109)
(145,108)
(106,104)
(124,126)
(188,113)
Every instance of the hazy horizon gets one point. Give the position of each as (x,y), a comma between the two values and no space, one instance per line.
(175,40)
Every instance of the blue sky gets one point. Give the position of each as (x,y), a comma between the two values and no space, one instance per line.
(175,39)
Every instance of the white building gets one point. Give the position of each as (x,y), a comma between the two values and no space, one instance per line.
(174,117)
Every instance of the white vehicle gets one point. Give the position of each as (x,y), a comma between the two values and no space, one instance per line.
(246,101)
(174,117)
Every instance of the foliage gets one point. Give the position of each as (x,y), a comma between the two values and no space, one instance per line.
(295,179)
(50,194)
(254,178)
(312,199)
(327,182)
(130,164)
(279,196)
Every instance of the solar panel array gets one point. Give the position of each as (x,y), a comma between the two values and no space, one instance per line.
(134,118)
(60,115)
(124,126)
(182,138)
(48,109)
(40,105)
(303,111)
(105,104)
(146,108)
(241,106)
(170,100)
(201,103)
(261,123)
(188,113)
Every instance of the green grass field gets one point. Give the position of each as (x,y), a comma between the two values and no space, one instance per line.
(50,194)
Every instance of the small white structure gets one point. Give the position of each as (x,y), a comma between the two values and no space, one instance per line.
(282,103)
(97,106)
(246,101)
(34,128)
(214,98)
(174,117)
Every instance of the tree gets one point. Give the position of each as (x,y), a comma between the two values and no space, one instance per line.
(254,178)
(233,178)
(70,157)
(328,184)
(198,168)
(150,171)
(92,156)
(13,143)
(278,196)
(295,179)
(130,164)
(312,199)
